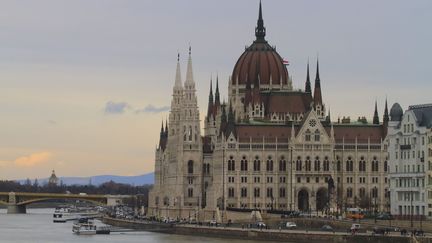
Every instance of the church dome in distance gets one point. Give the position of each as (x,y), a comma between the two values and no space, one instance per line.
(396,112)
(260,63)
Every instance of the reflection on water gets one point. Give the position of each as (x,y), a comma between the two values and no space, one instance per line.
(37,226)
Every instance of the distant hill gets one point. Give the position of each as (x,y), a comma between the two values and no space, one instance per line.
(139,180)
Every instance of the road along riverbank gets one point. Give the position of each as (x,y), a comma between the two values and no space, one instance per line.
(300,236)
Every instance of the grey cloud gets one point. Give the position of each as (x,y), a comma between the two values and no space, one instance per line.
(153,109)
(112,107)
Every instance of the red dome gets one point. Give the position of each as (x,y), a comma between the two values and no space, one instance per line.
(260,62)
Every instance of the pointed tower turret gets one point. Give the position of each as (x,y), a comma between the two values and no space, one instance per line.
(317,89)
(210,103)
(177,98)
(162,138)
(376,117)
(328,118)
(178,81)
(189,72)
(224,120)
(260,30)
(386,114)
(308,88)
(162,129)
(332,135)
(217,95)
(230,128)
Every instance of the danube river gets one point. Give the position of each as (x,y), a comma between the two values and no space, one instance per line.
(37,226)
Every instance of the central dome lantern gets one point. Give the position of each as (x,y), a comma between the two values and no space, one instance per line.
(260,64)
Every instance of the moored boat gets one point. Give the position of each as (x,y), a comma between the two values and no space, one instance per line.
(89,228)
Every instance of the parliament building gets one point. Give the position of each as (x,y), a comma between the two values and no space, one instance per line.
(270,147)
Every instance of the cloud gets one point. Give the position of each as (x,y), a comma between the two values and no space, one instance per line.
(33,159)
(153,109)
(112,107)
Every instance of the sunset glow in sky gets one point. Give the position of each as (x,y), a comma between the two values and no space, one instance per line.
(84,85)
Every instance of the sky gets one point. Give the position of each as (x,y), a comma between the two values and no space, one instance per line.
(84,85)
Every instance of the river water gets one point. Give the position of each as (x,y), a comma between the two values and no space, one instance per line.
(37,227)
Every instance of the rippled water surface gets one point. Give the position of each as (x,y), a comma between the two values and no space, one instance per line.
(37,226)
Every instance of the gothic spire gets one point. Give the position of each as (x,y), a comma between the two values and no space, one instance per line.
(210,103)
(166,127)
(217,95)
(375,117)
(178,82)
(223,117)
(162,128)
(386,114)
(317,78)
(260,30)
(308,88)
(230,128)
(317,89)
(189,72)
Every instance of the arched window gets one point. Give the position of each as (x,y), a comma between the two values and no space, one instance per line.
(244,164)
(282,192)
(231,164)
(349,192)
(307,135)
(243,192)
(269,192)
(385,166)
(317,135)
(166,201)
(190,192)
(349,164)
(298,164)
(257,164)
(269,164)
(190,133)
(362,165)
(317,164)
(326,164)
(308,164)
(374,192)
(256,192)
(157,201)
(282,164)
(375,164)
(190,167)
(339,165)
(231,192)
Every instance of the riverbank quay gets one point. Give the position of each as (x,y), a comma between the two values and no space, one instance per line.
(300,236)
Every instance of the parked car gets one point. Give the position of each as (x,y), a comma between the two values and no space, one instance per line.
(384,216)
(326,227)
(213,222)
(379,231)
(260,224)
(291,225)
(355,228)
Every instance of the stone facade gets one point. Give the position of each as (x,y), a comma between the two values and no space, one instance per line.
(270,147)
(408,135)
